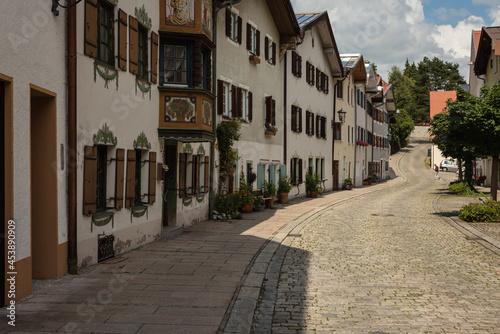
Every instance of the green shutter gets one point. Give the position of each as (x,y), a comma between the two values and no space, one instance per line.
(271,174)
(282,171)
(260,174)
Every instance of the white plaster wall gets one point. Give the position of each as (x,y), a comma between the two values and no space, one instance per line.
(32,51)
(127,113)
(382,130)
(262,80)
(309,98)
(344,149)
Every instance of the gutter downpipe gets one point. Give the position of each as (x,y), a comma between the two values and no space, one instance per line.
(72,149)
(284,113)
(355,131)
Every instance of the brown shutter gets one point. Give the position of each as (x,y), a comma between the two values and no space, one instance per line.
(130,180)
(312,123)
(266,48)
(294,63)
(300,66)
(269,102)
(220,97)
(240,30)
(293,179)
(182,175)
(307,71)
(239,102)
(273,112)
(197,64)
(249,37)
(207,174)
(122,40)
(208,69)
(134,45)
(234,101)
(300,171)
(91,28)
(90,180)
(308,122)
(194,163)
(257,42)
(154,57)
(250,106)
(152,178)
(294,118)
(327,88)
(300,119)
(274,53)
(228,22)
(119,179)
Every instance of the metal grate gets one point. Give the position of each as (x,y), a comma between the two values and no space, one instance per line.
(105,247)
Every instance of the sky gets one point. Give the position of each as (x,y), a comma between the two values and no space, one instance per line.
(387,32)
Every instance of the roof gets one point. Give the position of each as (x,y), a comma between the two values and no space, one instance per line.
(322,23)
(354,63)
(284,17)
(438,101)
(489,38)
(477,34)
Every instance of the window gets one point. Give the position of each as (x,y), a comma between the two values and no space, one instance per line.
(340,90)
(99,31)
(233,26)
(253,40)
(224,98)
(270,51)
(242,104)
(296,171)
(143,53)
(309,123)
(310,73)
(134,193)
(175,64)
(296,119)
(270,111)
(296,64)
(102,166)
(338,131)
(320,126)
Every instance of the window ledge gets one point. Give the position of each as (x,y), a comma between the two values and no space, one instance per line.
(254,59)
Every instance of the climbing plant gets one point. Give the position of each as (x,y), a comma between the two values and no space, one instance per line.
(227,134)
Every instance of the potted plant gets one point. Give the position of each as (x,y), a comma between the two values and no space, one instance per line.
(348,183)
(284,187)
(312,183)
(245,195)
(368,180)
(480,180)
(269,189)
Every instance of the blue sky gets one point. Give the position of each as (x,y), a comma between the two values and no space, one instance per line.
(388,32)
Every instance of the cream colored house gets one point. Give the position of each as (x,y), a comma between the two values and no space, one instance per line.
(312,71)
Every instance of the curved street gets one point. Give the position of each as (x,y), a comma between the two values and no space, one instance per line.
(385,262)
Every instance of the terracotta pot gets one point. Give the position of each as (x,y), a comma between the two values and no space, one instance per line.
(247,208)
(313,193)
(283,198)
(269,203)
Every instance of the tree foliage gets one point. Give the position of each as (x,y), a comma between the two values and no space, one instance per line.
(401,129)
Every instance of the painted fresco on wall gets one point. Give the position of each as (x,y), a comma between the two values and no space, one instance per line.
(180,109)
(207,112)
(206,18)
(179,12)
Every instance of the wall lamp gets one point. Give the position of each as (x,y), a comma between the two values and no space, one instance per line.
(55,4)
(341,113)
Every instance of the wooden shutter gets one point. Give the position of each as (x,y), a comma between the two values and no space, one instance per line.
(266,48)
(154,57)
(119,178)
(307,72)
(271,174)
(299,59)
(294,63)
(249,37)
(257,42)
(318,78)
(239,102)
(323,127)
(273,112)
(282,171)
(274,53)
(327,81)
(260,175)
(182,174)
(122,40)
(152,178)
(308,123)
(269,102)
(90,180)
(300,171)
(197,64)
(220,97)
(208,69)
(250,106)
(318,126)
(312,124)
(234,101)
(293,179)
(91,28)
(299,116)
(207,174)
(130,180)
(194,174)
(294,118)
(240,30)
(133,45)
(228,22)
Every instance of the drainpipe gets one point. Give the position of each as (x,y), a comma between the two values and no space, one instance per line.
(355,131)
(72,148)
(285,112)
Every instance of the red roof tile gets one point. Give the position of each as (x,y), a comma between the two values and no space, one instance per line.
(438,101)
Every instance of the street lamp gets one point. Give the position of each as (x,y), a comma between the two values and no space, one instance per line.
(341,113)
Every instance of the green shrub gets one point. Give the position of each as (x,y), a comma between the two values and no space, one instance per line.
(481,212)
(462,188)
(228,204)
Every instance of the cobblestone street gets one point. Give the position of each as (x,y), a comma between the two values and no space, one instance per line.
(385,262)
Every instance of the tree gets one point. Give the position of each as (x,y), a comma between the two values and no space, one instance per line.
(404,91)
(401,129)
(374,66)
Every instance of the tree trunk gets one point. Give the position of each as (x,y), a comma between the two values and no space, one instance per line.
(469,174)
(460,173)
(494,177)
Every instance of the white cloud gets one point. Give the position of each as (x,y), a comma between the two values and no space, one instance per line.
(416,13)
(494,14)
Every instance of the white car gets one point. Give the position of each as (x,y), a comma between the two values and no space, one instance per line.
(448,165)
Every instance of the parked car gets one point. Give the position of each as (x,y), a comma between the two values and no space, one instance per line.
(448,165)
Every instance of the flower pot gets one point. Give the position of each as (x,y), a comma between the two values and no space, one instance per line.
(313,193)
(269,203)
(247,208)
(283,198)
